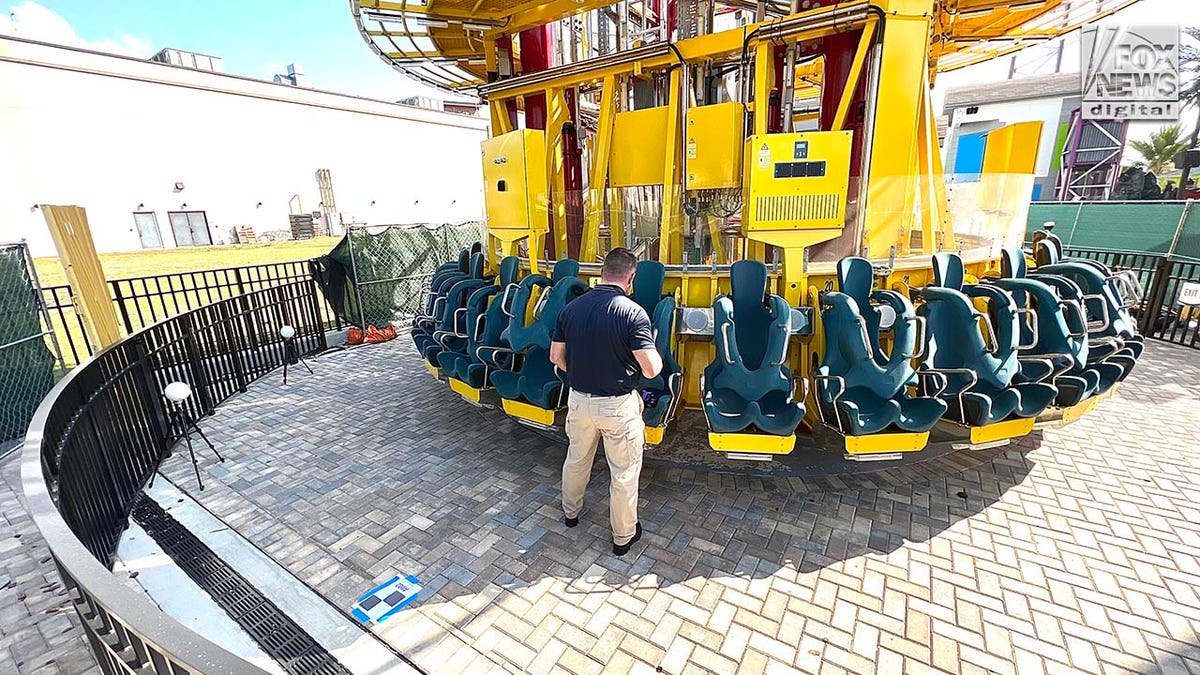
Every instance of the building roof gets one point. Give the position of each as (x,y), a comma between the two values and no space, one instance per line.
(1046,86)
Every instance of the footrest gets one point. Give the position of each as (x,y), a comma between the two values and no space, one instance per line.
(654,435)
(991,433)
(433,370)
(1073,413)
(760,443)
(484,398)
(528,414)
(871,444)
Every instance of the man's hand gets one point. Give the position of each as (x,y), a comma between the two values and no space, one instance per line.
(648,359)
(558,355)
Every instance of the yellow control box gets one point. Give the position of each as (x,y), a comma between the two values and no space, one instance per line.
(713,156)
(516,192)
(796,181)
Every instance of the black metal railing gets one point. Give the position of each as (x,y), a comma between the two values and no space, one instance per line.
(1161,314)
(142,301)
(100,435)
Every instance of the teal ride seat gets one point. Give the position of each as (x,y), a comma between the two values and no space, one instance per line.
(660,394)
(748,386)
(450,328)
(424,321)
(1101,291)
(485,321)
(534,378)
(863,395)
(470,265)
(1059,339)
(979,386)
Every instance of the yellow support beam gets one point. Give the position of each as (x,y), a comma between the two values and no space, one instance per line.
(557,114)
(501,124)
(692,50)
(598,178)
(671,232)
(892,181)
(860,57)
(89,289)
(764,80)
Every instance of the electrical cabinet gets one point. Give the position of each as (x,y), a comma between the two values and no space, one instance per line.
(796,181)
(713,158)
(516,190)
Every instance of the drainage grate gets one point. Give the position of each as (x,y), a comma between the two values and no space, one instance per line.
(274,631)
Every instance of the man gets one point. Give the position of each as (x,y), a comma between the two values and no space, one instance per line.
(603,342)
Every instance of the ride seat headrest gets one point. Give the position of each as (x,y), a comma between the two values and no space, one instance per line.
(948,271)
(648,284)
(564,268)
(856,276)
(1012,263)
(509,267)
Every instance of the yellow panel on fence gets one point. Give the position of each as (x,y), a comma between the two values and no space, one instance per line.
(89,289)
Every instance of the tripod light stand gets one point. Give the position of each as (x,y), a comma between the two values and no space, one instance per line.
(177,394)
(290,353)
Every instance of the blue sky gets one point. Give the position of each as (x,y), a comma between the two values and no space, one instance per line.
(256,38)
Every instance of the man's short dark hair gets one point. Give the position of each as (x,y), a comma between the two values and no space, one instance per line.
(619,263)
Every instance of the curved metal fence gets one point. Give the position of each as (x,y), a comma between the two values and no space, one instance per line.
(99,436)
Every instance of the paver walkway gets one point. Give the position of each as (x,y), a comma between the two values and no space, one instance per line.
(1077,550)
(39,630)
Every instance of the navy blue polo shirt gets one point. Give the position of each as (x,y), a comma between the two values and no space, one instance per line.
(601,329)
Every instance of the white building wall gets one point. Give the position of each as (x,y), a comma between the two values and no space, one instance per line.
(995,115)
(115,135)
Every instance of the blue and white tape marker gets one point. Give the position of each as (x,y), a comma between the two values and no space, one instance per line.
(379,603)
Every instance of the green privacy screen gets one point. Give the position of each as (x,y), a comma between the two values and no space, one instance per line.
(1143,227)
(374,274)
(26,365)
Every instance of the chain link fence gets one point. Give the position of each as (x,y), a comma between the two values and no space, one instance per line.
(376,273)
(28,349)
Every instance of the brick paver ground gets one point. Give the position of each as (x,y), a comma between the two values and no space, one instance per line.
(39,630)
(1077,550)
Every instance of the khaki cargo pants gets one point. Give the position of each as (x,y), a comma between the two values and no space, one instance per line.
(618,420)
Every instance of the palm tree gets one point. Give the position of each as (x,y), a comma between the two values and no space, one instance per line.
(1161,149)
(1189,94)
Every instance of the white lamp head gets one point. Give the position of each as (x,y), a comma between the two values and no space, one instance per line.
(287,332)
(177,392)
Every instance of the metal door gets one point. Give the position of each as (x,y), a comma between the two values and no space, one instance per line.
(190,228)
(198,223)
(179,227)
(147,228)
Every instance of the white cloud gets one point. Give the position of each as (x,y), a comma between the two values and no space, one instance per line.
(35,22)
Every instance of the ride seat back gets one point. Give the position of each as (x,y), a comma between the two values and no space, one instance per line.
(751,333)
(662,390)
(536,303)
(955,338)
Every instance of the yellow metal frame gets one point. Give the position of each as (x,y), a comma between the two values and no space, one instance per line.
(465,390)
(752,443)
(1000,431)
(886,443)
(432,369)
(654,435)
(528,412)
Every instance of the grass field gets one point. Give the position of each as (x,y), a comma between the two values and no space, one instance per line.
(164,261)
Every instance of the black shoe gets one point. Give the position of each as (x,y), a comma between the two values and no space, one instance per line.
(570,522)
(621,549)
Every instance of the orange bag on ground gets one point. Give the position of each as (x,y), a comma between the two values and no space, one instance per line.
(377,335)
(354,336)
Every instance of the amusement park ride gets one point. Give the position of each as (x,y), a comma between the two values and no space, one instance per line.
(808,267)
